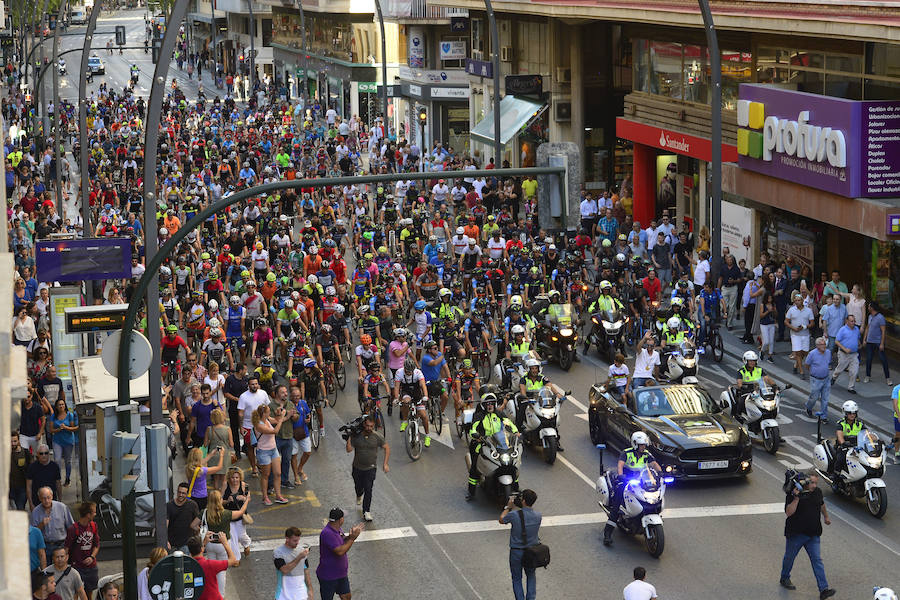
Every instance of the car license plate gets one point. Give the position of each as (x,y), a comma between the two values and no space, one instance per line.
(713,464)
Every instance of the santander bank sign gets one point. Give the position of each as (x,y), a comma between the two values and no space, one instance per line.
(679,144)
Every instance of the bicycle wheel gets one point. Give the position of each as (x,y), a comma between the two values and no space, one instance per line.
(412,440)
(437,416)
(341,376)
(718,348)
(460,426)
(331,389)
(314,428)
(379,423)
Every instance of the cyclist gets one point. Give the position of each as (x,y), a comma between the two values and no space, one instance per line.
(423,321)
(327,349)
(266,374)
(235,329)
(169,349)
(312,388)
(370,325)
(370,385)
(436,371)
(464,385)
(289,323)
(410,389)
(196,318)
(263,341)
(215,351)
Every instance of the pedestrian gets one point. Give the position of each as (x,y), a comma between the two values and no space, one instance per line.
(798,318)
(37,549)
(42,473)
(293,581)
(302,448)
(218,437)
(234,495)
(847,345)
(19,459)
(218,520)
(781,295)
(895,404)
(284,436)
(248,402)
(365,447)
(211,568)
(524,533)
(818,362)
(197,468)
(333,561)
(767,328)
(182,519)
(63,426)
(728,283)
(83,544)
(265,426)
(68,582)
(803,529)
(235,385)
(832,317)
(53,518)
(876,330)
(639,589)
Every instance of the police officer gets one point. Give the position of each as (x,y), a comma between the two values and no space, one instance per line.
(748,376)
(848,429)
(518,346)
(487,425)
(529,387)
(605,301)
(631,462)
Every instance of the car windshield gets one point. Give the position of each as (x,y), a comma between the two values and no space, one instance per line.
(674,400)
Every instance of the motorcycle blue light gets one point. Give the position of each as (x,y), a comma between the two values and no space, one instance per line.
(668,479)
(634,482)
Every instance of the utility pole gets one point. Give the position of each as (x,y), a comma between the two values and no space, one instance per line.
(715,195)
(252,46)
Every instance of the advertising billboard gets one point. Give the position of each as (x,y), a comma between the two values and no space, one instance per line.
(78,260)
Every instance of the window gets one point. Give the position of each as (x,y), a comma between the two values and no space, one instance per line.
(666,69)
(830,73)
(737,68)
(641,54)
(453,63)
(696,73)
(478,38)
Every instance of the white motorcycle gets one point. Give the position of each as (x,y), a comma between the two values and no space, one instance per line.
(681,364)
(642,503)
(861,476)
(539,422)
(510,371)
(760,412)
(882,593)
(499,462)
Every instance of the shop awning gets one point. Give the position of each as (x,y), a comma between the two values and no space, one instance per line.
(515,114)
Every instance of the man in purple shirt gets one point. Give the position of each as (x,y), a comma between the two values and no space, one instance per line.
(333,563)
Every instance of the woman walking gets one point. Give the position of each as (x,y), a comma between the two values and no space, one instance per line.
(218,520)
(874,337)
(63,426)
(767,328)
(267,456)
(196,470)
(234,495)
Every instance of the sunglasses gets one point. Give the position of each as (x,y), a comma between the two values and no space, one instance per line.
(43,453)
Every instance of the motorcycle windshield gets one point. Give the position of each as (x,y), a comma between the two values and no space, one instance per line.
(867,442)
(501,440)
(565,315)
(547,399)
(650,480)
(611,315)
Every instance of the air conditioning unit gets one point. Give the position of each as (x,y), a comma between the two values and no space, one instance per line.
(506,53)
(563,112)
(477,55)
(563,75)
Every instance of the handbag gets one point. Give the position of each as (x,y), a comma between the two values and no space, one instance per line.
(204,527)
(248,520)
(537,555)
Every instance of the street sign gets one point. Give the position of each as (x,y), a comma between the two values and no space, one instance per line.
(176,577)
(141,354)
(103,317)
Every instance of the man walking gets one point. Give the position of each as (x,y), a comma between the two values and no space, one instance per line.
(847,343)
(818,362)
(292,566)
(639,589)
(798,319)
(333,561)
(53,518)
(366,445)
(803,529)
(524,533)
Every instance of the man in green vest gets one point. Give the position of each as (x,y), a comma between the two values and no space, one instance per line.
(488,424)
(631,462)
(848,429)
(748,377)
(518,346)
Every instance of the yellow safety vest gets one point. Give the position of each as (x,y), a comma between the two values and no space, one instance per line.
(750,376)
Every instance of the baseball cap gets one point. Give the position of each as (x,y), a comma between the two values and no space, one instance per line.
(336,514)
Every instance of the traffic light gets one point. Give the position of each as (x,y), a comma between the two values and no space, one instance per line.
(422,114)
(154,50)
(124,463)
(120,35)
(158,455)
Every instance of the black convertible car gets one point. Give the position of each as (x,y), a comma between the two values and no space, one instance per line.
(690,436)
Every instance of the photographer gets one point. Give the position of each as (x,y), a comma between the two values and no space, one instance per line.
(524,532)
(366,443)
(803,528)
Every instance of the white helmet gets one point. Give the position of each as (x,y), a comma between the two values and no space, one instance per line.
(163,231)
(214,323)
(289,304)
(312,279)
(884,594)
(515,300)
(235,300)
(673,323)
(330,291)
(750,355)
(460,231)
(444,292)
(639,438)
(532,362)
(339,309)
(215,332)
(517,329)
(850,407)
(213,305)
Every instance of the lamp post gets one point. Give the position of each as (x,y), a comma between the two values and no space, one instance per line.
(712,42)
(57,121)
(384,81)
(252,46)
(304,54)
(495,61)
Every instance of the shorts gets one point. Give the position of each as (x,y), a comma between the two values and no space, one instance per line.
(896,424)
(420,342)
(329,587)
(249,437)
(451,346)
(265,457)
(235,337)
(304,445)
(800,341)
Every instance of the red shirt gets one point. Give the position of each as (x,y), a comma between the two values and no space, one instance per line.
(340,270)
(654,288)
(211,584)
(81,541)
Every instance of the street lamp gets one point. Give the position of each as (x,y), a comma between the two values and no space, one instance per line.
(422,118)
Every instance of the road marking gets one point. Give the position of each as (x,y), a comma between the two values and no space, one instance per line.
(577,471)
(445,437)
(374,535)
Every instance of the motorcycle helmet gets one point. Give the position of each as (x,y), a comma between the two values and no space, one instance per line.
(554,296)
(639,438)
(532,362)
(365,339)
(850,407)
(673,323)
(677,301)
(750,355)
(419,305)
(605,285)
(515,300)
(444,293)
(884,594)
(489,399)
(518,330)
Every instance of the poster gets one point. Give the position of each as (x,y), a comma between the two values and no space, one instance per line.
(416,48)
(66,346)
(453,50)
(737,227)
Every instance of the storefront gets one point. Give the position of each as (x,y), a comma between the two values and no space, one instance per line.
(669,170)
(524,124)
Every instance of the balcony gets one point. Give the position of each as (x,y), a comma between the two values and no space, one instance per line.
(414,11)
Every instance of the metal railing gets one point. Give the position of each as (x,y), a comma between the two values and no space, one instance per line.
(420,9)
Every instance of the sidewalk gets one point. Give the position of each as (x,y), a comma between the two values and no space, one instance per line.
(873,397)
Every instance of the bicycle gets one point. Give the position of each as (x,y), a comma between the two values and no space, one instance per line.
(435,414)
(372,407)
(314,424)
(714,341)
(462,428)
(331,387)
(412,439)
(482,361)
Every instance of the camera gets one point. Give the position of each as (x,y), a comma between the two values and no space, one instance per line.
(794,479)
(353,428)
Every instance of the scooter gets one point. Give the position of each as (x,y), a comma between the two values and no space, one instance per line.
(539,421)
(861,477)
(607,333)
(760,412)
(681,365)
(498,463)
(642,503)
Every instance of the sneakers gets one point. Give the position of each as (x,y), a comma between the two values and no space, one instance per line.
(770,359)
(321,432)
(280,500)
(367,516)
(865,380)
(427,441)
(288,485)
(890,381)
(359,500)
(827,593)
(833,379)
(788,584)
(851,391)
(809,412)
(404,425)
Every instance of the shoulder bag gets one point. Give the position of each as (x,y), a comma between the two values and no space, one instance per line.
(534,556)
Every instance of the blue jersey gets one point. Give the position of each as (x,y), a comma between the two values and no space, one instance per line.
(233,327)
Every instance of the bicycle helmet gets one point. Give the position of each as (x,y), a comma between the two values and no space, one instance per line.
(309,363)
(235,300)
(364,308)
(430,344)
(467,363)
(399,332)
(607,243)
(204,256)
(215,332)
(409,365)
(330,291)
(639,438)
(165,272)
(620,257)
(850,407)
(214,323)
(420,305)
(213,305)
(750,355)
(261,322)
(339,309)
(365,339)
(312,280)
(172,329)
(884,594)
(270,277)
(326,328)
(515,300)
(289,304)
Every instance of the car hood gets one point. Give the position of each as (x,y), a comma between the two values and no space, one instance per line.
(694,430)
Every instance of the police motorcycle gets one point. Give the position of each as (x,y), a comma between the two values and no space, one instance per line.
(540,418)
(556,337)
(607,332)
(643,499)
(682,361)
(61,66)
(882,593)
(760,412)
(499,460)
(860,476)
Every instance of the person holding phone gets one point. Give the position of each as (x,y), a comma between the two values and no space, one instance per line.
(292,568)
(333,562)
(211,568)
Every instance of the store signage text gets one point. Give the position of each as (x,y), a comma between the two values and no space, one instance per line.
(437,92)
(481,68)
(678,144)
